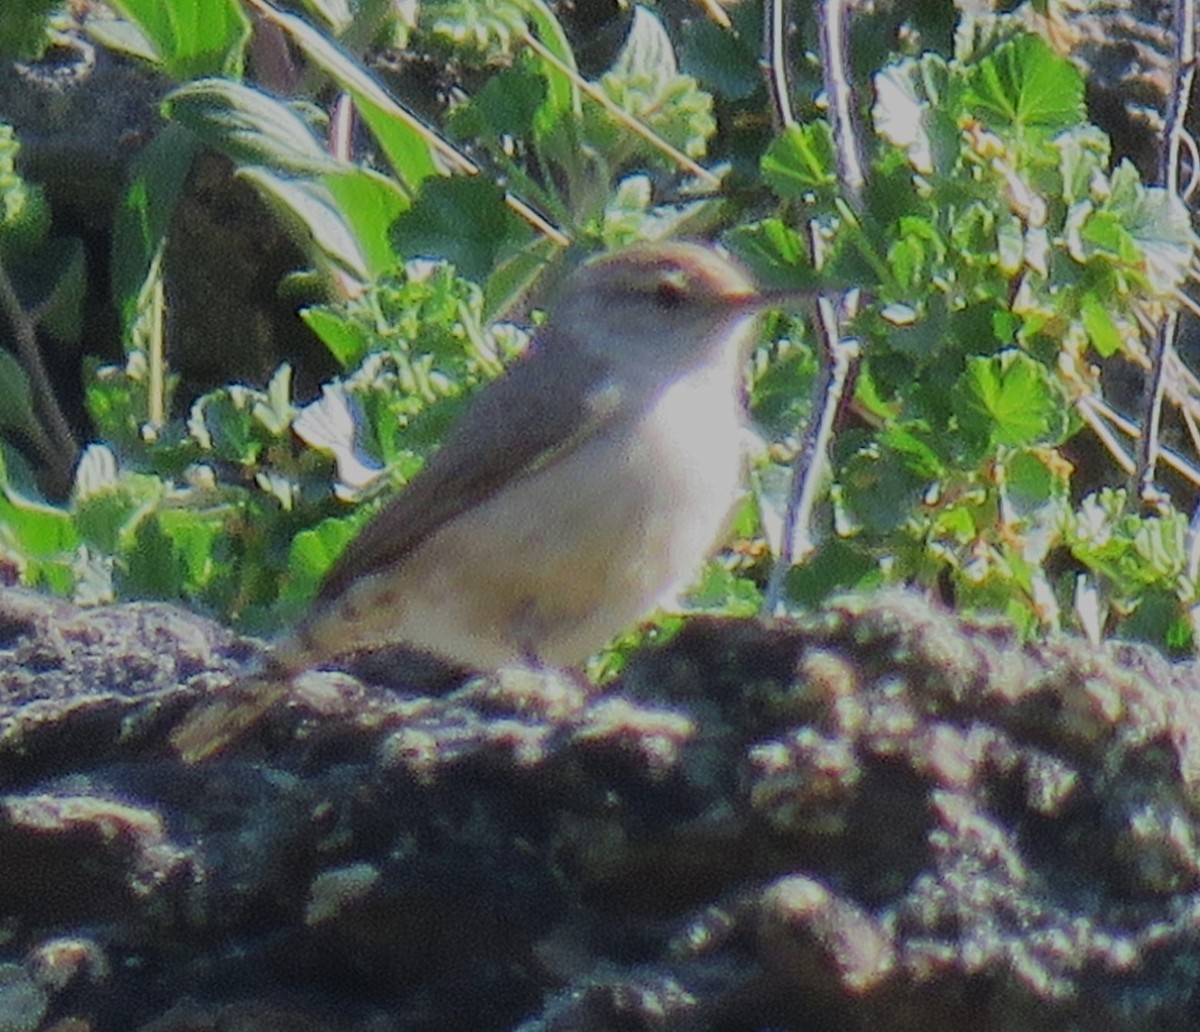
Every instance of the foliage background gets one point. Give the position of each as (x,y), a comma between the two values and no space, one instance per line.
(994,275)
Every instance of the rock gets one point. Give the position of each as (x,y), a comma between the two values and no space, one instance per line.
(881,816)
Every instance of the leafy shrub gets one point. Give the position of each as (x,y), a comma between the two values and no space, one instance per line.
(1000,254)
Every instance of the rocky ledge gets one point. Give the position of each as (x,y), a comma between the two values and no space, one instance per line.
(882,817)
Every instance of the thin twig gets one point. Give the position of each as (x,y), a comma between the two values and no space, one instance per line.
(1193,429)
(1096,407)
(58,443)
(810,460)
(1164,339)
(156,347)
(1193,539)
(638,128)
(835,65)
(837,355)
(1093,414)
(1187,301)
(715,12)
(774,62)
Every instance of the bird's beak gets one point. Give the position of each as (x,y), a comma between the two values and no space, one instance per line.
(786,300)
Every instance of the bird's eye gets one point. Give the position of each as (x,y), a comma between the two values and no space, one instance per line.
(670,293)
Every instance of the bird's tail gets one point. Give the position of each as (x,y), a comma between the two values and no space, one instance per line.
(211,726)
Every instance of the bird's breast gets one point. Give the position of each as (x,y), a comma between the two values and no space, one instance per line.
(556,563)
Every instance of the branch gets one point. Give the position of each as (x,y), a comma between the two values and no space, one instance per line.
(837,355)
(774,62)
(835,70)
(55,442)
(1164,339)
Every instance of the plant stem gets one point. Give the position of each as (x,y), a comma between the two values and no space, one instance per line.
(59,445)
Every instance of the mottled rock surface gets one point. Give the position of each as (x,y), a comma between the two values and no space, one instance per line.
(880,818)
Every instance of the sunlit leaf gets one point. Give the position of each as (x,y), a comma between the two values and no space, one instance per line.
(801,160)
(311,214)
(248,125)
(645,82)
(155,183)
(1102,329)
(1007,400)
(407,143)
(917,109)
(1024,87)
(369,203)
(192,38)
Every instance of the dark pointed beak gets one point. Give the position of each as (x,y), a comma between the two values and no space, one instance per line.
(770,300)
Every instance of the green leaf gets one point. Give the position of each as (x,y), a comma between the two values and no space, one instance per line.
(16,399)
(156,180)
(1032,482)
(725,61)
(1143,232)
(1160,225)
(248,125)
(918,252)
(781,394)
(800,161)
(34,528)
(1162,543)
(1007,400)
(776,253)
(123,37)
(836,566)
(116,399)
(1157,620)
(23,28)
(314,551)
(175,555)
(513,276)
(507,104)
(193,538)
(645,82)
(720,590)
(1102,329)
(879,491)
(915,451)
(1084,155)
(192,38)
(311,214)
(369,203)
(106,516)
(63,271)
(346,341)
(462,220)
(51,279)
(409,146)
(476,33)
(562,96)
(917,107)
(1024,88)
(151,569)
(222,422)
(24,212)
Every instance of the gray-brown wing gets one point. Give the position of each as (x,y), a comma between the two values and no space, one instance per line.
(541,408)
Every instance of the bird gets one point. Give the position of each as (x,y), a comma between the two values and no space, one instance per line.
(579,491)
